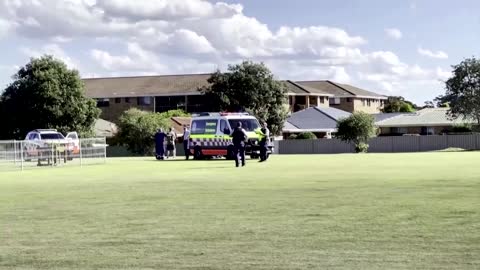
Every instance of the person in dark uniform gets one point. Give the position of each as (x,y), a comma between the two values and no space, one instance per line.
(160,144)
(239,137)
(186,142)
(265,133)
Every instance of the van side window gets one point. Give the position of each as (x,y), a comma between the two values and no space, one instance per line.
(224,127)
(204,126)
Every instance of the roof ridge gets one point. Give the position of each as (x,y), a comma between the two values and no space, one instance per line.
(324,113)
(337,85)
(299,86)
(293,124)
(147,76)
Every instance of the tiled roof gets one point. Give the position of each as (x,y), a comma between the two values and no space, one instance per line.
(295,88)
(425,117)
(179,122)
(315,119)
(188,84)
(105,128)
(383,116)
(340,90)
(145,85)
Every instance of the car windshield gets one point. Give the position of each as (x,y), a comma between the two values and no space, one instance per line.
(247,124)
(52,136)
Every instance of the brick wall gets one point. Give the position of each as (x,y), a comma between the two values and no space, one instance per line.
(114,110)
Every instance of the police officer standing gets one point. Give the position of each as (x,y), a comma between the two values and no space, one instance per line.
(239,136)
(265,139)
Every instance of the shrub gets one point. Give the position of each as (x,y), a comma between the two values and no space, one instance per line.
(138,128)
(306,136)
(359,128)
(462,128)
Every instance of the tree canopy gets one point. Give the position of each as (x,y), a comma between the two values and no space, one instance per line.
(46,94)
(398,104)
(463,90)
(358,129)
(138,128)
(249,87)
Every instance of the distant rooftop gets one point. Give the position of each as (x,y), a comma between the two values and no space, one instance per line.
(314,119)
(425,117)
(188,84)
(340,90)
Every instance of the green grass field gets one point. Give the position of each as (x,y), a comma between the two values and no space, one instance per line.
(392,211)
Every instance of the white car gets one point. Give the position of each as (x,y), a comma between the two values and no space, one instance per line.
(40,142)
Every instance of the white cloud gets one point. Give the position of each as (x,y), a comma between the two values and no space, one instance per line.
(432,54)
(394,33)
(167,9)
(54,50)
(184,36)
(5,28)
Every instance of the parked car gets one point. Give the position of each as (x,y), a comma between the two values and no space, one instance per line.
(40,142)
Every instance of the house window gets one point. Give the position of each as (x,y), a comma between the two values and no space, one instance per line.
(369,102)
(399,130)
(127,100)
(103,102)
(144,101)
(349,100)
(118,100)
(428,131)
(322,100)
(335,101)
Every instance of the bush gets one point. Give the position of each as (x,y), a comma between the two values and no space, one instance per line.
(359,128)
(362,148)
(462,128)
(138,128)
(306,136)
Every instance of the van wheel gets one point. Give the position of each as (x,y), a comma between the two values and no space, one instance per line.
(197,153)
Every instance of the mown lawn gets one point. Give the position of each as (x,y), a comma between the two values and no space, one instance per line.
(393,211)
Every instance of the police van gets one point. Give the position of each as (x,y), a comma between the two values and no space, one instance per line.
(210,135)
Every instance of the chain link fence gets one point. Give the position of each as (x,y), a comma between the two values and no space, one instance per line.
(22,155)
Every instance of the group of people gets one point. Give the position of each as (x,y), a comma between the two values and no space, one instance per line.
(239,140)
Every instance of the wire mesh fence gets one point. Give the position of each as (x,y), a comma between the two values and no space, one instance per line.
(21,155)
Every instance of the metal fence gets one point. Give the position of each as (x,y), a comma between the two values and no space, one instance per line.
(21,155)
(396,144)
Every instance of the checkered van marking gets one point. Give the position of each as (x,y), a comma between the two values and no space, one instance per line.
(210,142)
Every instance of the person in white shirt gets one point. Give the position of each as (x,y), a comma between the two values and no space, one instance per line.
(186,142)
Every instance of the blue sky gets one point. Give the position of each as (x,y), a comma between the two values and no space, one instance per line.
(391,47)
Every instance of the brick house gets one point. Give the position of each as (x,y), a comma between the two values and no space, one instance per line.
(162,93)
(348,98)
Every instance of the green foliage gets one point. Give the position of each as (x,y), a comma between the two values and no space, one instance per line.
(359,128)
(249,87)
(463,90)
(46,94)
(138,128)
(306,136)
(398,104)
(462,128)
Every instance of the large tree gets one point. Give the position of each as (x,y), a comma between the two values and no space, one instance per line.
(138,128)
(46,94)
(398,104)
(463,90)
(359,128)
(249,87)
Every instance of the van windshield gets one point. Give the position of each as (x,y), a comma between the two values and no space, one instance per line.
(247,124)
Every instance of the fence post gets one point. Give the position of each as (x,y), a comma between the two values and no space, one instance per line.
(15,152)
(105,149)
(21,154)
(80,151)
